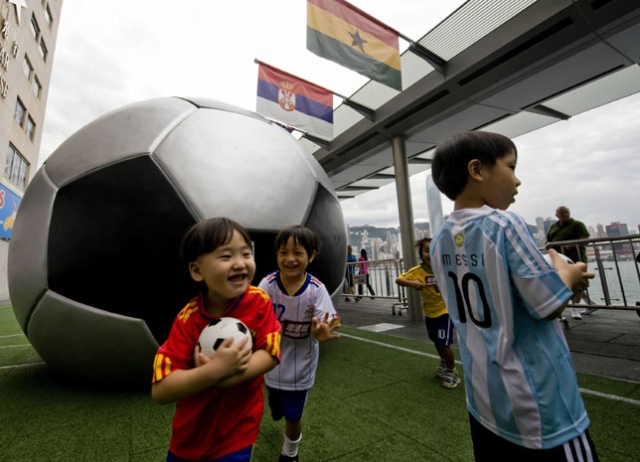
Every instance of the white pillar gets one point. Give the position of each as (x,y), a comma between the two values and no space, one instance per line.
(434,205)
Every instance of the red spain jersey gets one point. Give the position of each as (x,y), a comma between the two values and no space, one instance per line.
(217,421)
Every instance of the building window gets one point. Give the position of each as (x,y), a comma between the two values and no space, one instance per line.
(35,28)
(27,67)
(20,113)
(16,168)
(48,16)
(36,86)
(43,50)
(30,130)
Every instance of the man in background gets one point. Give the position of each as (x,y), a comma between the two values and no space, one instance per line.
(568,229)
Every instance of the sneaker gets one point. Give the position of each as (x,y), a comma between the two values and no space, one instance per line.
(347,299)
(565,322)
(589,311)
(450,379)
(440,370)
(575,314)
(284,458)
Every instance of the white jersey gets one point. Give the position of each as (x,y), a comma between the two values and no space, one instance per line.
(519,376)
(299,349)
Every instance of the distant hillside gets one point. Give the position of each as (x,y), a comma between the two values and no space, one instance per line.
(355,232)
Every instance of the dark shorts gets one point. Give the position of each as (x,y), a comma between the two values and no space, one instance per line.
(242,455)
(440,330)
(287,404)
(488,447)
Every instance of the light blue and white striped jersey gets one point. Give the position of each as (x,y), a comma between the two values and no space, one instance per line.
(519,376)
(299,349)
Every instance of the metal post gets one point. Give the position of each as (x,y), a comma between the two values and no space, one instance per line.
(405,211)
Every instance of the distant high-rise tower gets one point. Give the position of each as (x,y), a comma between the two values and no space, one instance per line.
(547,224)
(434,206)
(541,234)
(617,229)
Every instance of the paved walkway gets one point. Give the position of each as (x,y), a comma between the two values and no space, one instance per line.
(606,343)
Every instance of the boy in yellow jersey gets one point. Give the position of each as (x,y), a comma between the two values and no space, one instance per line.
(436,317)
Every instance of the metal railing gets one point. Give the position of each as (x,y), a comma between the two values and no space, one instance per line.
(617,281)
(612,259)
(382,277)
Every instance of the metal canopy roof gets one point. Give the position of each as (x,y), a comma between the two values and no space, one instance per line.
(511,66)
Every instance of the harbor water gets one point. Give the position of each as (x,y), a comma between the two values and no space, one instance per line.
(620,278)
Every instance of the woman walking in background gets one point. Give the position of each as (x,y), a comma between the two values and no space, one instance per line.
(363,268)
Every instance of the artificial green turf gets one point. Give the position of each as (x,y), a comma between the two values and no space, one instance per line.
(371,403)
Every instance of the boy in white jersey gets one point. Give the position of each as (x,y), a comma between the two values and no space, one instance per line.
(305,310)
(522,393)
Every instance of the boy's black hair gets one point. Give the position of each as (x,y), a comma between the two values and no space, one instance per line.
(206,236)
(452,157)
(420,243)
(301,235)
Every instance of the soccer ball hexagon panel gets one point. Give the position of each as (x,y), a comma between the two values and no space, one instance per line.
(94,256)
(217,331)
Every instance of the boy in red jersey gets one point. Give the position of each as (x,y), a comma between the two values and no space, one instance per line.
(219,400)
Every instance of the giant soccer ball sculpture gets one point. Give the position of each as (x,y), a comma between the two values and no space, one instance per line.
(95,276)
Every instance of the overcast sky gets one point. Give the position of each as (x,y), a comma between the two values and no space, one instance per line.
(117,52)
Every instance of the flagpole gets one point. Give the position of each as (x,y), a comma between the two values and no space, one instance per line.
(363,110)
(414,47)
(324,143)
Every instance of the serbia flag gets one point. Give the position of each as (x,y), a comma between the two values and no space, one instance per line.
(295,102)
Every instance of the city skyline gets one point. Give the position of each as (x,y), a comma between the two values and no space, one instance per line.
(389,246)
(550,220)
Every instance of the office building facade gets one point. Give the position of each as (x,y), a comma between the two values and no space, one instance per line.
(29,29)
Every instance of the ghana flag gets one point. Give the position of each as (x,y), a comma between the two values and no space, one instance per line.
(340,32)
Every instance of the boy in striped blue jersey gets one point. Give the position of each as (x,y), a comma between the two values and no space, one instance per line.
(305,310)
(522,393)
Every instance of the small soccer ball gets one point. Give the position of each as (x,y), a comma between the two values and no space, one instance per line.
(547,257)
(217,331)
